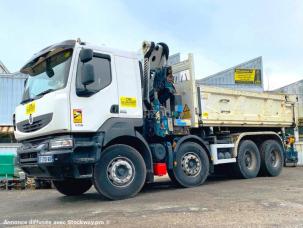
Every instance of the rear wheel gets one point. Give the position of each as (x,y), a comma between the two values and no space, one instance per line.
(271,158)
(192,165)
(248,160)
(73,187)
(120,173)
(37,184)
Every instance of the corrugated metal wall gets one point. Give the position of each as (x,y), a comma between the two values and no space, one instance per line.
(226,77)
(11,90)
(10,148)
(3,69)
(295,89)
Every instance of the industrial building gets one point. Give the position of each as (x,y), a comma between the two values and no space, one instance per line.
(11,89)
(295,88)
(245,76)
(3,69)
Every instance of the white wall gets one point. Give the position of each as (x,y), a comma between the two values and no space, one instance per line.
(9,147)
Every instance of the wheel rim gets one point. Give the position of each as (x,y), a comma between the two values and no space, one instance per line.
(274,158)
(191,164)
(250,160)
(121,171)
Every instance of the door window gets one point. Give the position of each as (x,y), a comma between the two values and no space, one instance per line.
(102,71)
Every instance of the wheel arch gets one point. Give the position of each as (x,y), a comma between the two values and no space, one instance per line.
(118,127)
(138,142)
(257,137)
(195,139)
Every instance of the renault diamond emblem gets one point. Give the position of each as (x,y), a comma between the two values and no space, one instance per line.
(30,119)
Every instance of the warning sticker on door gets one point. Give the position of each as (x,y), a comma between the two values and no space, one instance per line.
(77,115)
(128,102)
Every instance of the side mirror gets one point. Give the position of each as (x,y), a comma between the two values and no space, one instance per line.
(88,74)
(86,55)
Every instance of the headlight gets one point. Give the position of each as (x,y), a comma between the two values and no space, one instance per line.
(61,143)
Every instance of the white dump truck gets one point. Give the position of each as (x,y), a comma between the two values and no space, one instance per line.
(95,115)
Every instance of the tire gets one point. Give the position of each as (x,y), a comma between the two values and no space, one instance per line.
(248,160)
(272,158)
(73,187)
(120,172)
(37,184)
(172,177)
(192,166)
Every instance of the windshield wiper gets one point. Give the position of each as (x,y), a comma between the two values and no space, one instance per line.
(43,93)
(27,100)
(37,96)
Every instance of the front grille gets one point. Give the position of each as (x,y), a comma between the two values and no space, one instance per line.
(30,157)
(38,123)
(28,152)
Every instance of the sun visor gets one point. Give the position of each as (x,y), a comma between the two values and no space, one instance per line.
(46,53)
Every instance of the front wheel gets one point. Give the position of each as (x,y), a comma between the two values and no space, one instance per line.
(73,187)
(192,165)
(120,173)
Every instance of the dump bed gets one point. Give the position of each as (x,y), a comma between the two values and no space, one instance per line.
(216,106)
(226,107)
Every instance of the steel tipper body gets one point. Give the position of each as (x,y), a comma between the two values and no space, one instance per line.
(95,115)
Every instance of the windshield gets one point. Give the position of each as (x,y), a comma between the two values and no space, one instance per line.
(46,73)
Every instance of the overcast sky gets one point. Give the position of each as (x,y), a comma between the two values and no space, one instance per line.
(219,33)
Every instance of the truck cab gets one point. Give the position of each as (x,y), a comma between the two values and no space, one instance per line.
(74,93)
(58,101)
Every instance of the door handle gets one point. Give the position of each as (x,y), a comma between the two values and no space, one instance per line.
(224,100)
(114,108)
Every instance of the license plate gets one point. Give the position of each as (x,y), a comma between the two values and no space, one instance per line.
(45,159)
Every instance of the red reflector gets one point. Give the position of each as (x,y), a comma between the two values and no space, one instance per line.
(160,169)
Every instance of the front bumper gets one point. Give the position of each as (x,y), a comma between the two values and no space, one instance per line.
(74,162)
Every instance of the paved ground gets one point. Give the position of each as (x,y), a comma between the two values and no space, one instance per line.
(220,202)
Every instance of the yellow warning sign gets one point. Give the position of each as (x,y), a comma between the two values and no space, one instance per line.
(30,108)
(128,102)
(205,115)
(245,75)
(77,115)
(186,112)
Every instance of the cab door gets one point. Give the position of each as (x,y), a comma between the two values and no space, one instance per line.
(129,87)
(90,109)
